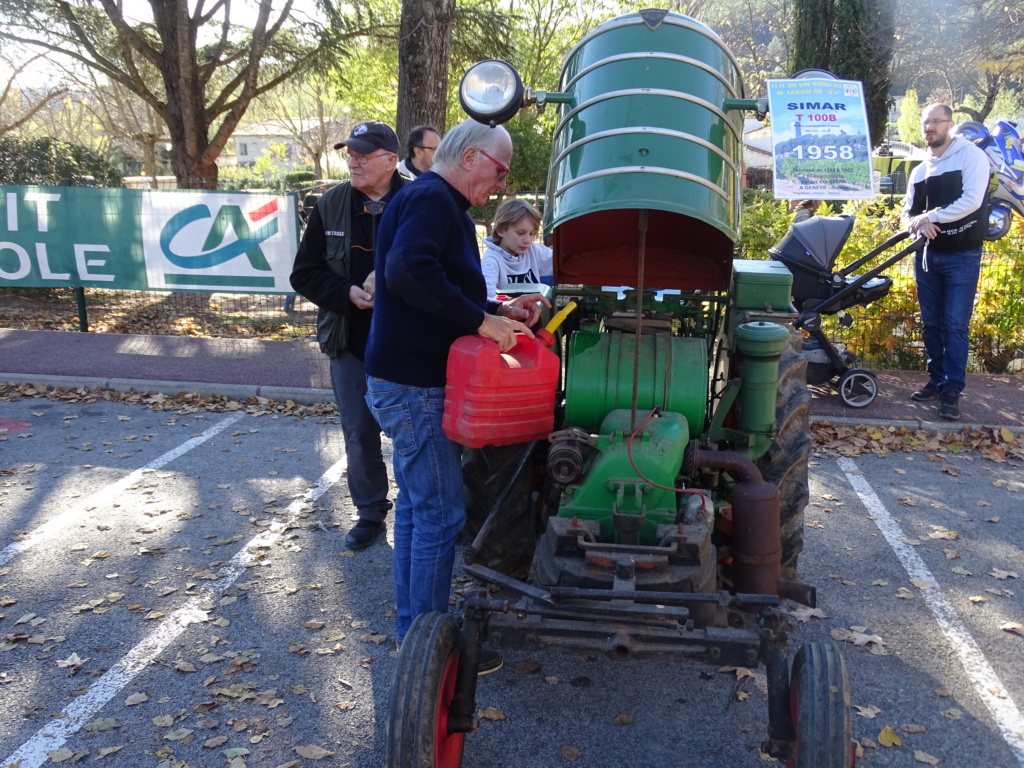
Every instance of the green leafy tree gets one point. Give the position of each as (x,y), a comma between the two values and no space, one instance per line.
(48,162)
(209,67)
(908,124)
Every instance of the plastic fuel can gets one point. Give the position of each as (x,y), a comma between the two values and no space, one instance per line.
(495,398)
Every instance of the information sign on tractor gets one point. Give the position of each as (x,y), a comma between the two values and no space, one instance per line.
(820,140)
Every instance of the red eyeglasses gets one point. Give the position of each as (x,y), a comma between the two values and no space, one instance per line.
(503,170)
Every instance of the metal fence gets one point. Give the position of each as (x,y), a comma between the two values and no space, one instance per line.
(886,334)
(225,315)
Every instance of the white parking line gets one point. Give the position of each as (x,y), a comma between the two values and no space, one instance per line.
(104,495)
(1005,713)
(34,752)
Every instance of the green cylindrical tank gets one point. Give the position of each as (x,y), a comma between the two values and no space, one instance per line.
(761,344)
(673,376)
(646,129)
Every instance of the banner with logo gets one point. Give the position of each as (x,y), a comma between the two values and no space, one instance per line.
(161,240)
(820,139)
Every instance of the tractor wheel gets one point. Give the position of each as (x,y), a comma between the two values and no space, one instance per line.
(819,701)
(785,463)
(422,692)
(485,471)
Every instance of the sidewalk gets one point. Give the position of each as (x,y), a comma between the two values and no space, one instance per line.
(287,370)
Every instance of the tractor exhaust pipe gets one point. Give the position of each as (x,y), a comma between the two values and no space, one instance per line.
(756,543)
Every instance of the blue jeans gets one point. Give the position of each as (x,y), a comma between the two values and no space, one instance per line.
(367,475)
(946,286)
(429,511)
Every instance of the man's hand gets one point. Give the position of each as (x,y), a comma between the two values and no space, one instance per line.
(922,225)
(370,283)
(524,308)
(502,330)
(360,298)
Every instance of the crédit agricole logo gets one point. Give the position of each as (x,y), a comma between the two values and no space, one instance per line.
(223,241)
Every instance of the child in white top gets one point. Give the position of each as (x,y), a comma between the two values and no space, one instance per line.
(511,256)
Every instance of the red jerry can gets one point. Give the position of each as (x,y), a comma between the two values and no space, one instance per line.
(499,398)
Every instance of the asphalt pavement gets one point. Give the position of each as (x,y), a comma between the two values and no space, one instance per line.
(175,590)
(297,371)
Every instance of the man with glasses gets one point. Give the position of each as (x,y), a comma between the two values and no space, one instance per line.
(333,269)
(431,291)
(422,144)
(947,203)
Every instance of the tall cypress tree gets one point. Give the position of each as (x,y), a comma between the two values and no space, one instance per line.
(854,40)
(812,34)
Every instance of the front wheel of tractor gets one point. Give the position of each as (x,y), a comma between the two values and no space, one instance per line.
(421,696)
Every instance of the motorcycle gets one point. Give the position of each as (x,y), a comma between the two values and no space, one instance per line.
(1006,157)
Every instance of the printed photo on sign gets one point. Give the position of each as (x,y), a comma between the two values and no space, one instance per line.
(820,139)
(223,242)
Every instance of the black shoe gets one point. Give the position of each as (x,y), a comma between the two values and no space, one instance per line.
(363,534)
(950,408)
(928,392)
(490,661)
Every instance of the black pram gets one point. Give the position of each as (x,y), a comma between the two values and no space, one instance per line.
(810,249)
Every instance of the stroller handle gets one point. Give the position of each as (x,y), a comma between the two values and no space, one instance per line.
(809,316)
(899,237)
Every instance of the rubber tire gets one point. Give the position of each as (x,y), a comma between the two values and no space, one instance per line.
(819,696)
(509,547)
(420,695)
(1004,220)
(857,388)
(785,463)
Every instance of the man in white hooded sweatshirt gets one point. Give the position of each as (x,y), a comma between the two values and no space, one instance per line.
(947,202)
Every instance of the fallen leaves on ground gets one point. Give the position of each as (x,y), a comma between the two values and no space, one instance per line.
(569,752)
(887,738)
(994,444)
(1002,575)
(869,711)
(181,403)
(312,752)
(1013,626)
(924,757)
(803,613)
(491,713)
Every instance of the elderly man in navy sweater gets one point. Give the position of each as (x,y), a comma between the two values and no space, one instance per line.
(430,291)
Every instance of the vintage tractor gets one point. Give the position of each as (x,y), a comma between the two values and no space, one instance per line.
(662,515)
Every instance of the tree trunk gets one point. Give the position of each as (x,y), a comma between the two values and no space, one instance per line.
(186,118)
(425,39)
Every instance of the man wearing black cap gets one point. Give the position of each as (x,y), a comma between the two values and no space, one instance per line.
(333,269)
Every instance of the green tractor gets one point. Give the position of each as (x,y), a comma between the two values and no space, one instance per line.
(663,515)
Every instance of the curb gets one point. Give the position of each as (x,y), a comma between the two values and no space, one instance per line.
(309,396)
(915,424)
(171,388)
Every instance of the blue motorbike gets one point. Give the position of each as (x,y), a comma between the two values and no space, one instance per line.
(1005,154)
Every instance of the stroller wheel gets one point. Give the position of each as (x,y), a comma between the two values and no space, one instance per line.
(858,388)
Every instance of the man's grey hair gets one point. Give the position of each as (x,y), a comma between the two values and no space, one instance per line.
(468,133)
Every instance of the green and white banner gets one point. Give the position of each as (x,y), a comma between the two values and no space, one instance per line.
(185,240)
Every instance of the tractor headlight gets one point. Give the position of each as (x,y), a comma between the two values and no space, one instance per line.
(491,92)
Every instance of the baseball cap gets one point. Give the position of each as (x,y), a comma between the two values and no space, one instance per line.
(370,136)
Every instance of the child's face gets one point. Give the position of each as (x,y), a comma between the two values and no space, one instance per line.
(517,237)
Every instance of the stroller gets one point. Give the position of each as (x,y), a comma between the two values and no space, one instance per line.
(809,250)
